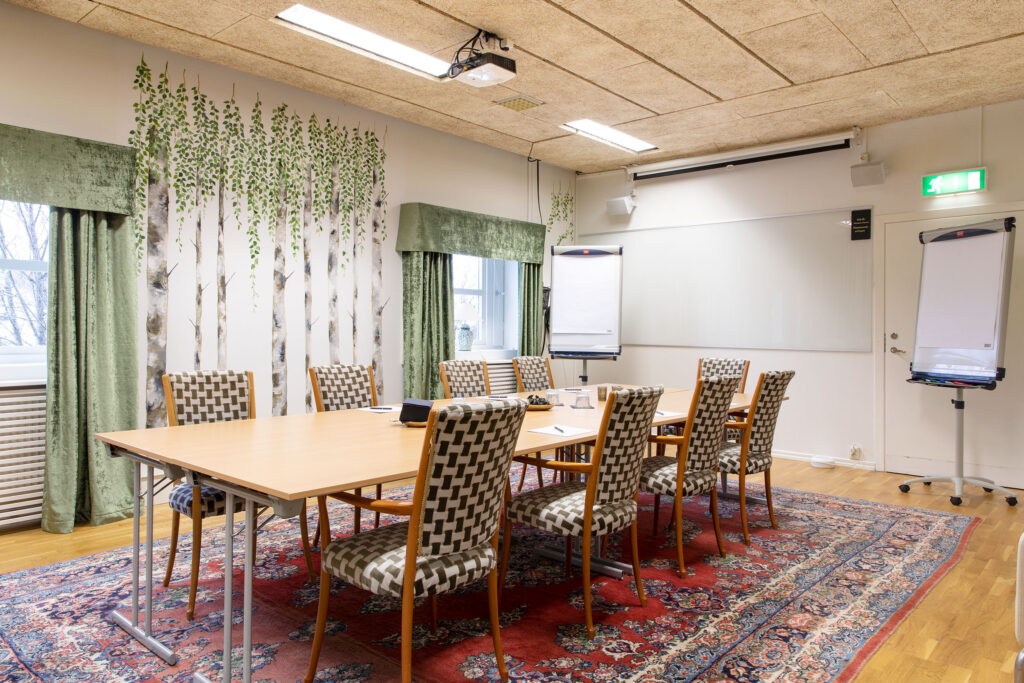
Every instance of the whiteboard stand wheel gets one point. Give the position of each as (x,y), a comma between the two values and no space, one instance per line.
(927,483)
(1011,500)
(955,500)
(986,489)
(905,488)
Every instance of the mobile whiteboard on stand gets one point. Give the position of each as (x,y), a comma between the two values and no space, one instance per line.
(962,310)
(586,303)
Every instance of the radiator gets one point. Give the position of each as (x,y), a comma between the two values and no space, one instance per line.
(502,377)
(22,454)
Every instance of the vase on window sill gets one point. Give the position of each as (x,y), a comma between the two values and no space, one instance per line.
(464,338)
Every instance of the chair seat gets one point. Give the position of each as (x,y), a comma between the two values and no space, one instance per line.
(559,508)
(658,475)
(729,460)
(214,501)
(375,561)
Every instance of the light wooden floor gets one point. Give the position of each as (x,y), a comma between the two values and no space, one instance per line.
(962,631)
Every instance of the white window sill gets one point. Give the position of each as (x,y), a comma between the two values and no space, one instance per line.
(486,354)
(22,374)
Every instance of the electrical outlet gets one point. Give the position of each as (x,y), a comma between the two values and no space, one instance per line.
(855,452)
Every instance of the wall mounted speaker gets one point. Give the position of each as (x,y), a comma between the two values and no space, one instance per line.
(870,173)
(620,206)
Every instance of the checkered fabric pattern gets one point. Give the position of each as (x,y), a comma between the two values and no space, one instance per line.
(210,396)
(762,427)
(375,561)
(625,443)
(469,458)
(533,372)
(465,377)
(659,474)
(559,509)
(710,367)
(344,386)
(214,501)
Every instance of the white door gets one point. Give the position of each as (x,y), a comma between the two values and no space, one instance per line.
(920,420)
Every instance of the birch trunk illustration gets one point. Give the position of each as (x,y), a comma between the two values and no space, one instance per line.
(355,288)
(377,282)
(198,243)
(279,370)
(307,245)
(158,200)
(222,283)
(333,251)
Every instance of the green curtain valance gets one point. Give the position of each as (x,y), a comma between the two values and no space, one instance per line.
(64,171)
(425,227)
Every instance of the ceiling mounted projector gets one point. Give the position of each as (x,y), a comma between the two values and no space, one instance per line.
(475,65)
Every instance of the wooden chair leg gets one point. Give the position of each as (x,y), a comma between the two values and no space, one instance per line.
(376,515)
(506,543)
(304,530)
(407,607)
(675,505)
(540,476)
(357,514)
(657,509)
(743,507)
(175,521)
(492,603)
(321,624)
(768,496)
(586,584)
(677,518)
(433,614)
(713,506)
(725,482)
(197,542)
(568,555)
(522,479)
(636,565)
(602,549)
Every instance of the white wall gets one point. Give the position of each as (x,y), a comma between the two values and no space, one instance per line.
(60,77)
(834,396)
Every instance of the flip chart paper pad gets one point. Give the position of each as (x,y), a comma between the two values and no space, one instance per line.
(960,284)
(581,301)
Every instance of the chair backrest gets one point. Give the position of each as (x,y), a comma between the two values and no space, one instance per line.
(764,409)
(467,453)
(464,378)
(341,387)
(622,443)
(208,396)
(705,424)
(711,367)
(533,373)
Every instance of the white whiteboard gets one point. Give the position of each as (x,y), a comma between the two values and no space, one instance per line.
(785,282)
(963,301)
(586,298)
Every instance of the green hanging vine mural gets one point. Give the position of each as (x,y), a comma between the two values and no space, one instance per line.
(285,183)
(562,216)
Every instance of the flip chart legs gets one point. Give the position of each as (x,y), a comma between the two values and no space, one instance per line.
(131,626)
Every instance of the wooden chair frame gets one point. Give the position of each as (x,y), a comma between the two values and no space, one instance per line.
(519,378)
(744,448)
(444,380)
(682,444)
(318,398)
(591,470)
(413,510)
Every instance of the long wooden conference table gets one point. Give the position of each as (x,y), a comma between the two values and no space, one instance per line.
(279,462)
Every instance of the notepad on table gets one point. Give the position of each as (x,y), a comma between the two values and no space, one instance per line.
(560,430)
(379,409)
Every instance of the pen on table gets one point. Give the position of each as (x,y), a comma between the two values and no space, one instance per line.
(559,429)
(659,412)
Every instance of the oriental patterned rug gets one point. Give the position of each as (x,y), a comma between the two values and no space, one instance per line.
(810,601)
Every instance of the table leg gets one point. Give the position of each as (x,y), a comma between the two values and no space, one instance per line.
(229,553)
(250,542)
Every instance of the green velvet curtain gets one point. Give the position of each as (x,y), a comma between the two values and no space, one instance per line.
(92,367)
(428,321)
(531,309)
(425,227)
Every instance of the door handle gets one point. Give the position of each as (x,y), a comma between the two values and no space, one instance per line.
(893,349)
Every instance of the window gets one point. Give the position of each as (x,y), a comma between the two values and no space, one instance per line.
(487,300)
(24,265)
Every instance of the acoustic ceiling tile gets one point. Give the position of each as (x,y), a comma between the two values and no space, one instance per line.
(582,154)
(806,49)
(672,34)
(681,121)
(948,24)
(876,27)
(204,17)
(863,109)
(71,10)
(654,87)
(744,16)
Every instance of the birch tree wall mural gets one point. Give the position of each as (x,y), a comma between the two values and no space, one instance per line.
(286,183)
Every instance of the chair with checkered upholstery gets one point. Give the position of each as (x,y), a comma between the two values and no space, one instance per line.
(606,502)
(194,398)
(533,373)
(344,387)
(451,538)
(753,454)
(719,367)
(694,469)
(464,378)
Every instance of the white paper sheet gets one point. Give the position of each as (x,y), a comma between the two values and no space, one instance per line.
(380,409)
(666,413)
(561,430)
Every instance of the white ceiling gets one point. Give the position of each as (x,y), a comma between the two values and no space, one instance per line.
(692,77)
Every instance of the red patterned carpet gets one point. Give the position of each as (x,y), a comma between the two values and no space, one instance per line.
(807,602)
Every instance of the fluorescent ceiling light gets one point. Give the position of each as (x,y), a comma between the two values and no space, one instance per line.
(362,41)
(607,135)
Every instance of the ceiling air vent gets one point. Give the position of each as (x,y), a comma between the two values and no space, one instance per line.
(519,103)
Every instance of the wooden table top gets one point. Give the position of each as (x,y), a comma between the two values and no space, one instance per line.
(299,456)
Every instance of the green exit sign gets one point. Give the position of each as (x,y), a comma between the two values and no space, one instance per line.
(954,182)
